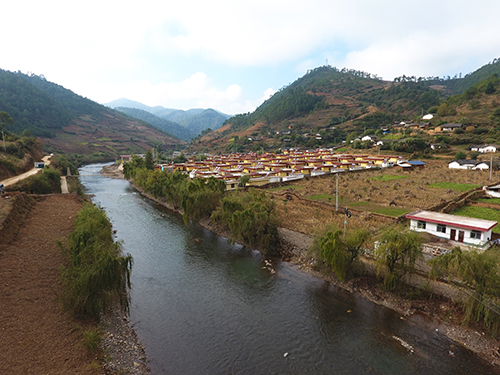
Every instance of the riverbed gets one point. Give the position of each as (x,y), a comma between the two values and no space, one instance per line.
(203,306)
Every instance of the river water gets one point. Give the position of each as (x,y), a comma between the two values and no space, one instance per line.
(203,306)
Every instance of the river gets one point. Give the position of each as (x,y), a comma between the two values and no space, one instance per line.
(203,306)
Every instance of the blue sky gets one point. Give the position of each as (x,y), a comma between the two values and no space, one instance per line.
(232,55)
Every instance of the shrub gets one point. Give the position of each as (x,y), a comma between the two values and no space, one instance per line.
(98,275)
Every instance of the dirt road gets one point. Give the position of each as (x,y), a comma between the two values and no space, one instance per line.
(37,336)
(16,179)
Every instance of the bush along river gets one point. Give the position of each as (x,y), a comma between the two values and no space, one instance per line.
(203,306)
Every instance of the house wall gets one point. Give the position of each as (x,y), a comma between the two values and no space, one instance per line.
(432,229)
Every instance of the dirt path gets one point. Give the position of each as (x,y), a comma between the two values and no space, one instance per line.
(16,179)
(37,337)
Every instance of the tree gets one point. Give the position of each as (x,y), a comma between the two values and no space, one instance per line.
(479,273)
(4,120)
(341,253)
(396,254)
(148,163)
(460,155)
(490,88)
(243,180)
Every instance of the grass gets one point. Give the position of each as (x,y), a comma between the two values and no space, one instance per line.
(322,197)
(293,187)
(489,200)
(92,338)
(479,213)
(454,186)
(391,211)
(387,177)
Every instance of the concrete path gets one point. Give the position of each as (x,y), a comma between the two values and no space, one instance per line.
(64,185)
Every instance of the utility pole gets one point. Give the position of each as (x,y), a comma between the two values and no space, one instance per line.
(491,167)
(337,194)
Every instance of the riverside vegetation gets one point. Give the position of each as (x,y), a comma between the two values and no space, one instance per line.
(98,274)
(251,217)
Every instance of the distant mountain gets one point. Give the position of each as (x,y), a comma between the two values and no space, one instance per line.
(127,103)
(198,120)
(167,126)
(70,123)
(195,120)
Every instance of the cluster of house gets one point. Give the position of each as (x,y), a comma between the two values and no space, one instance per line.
(263,169)
(468,164)
(267,168)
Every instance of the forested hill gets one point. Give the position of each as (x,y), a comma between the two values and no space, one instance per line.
(458,85)
(70,123)
(324,98)
(327,105)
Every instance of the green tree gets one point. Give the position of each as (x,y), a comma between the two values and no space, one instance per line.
(490,88)
(251,218)
(5,119)
(460,155)
(396,252)
(479,273)
(341,253)
(148,160)
(243,180)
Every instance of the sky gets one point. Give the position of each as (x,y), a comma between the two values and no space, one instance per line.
(233,55)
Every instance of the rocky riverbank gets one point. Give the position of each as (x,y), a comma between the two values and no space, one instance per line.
(124,353)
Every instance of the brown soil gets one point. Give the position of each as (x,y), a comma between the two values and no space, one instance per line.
(38,337)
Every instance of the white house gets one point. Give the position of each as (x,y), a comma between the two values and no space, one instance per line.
(468,164)
(466,230)
(484,148)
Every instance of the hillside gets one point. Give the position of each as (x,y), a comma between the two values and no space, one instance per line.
(322,107)
(328,105)
(67,122)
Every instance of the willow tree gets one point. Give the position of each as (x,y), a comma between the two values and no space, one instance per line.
(396,252)
(478,272)
(98,274)
(339,252)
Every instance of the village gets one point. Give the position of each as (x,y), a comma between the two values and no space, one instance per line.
(297,174)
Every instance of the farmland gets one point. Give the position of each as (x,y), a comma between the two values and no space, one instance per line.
(309,204)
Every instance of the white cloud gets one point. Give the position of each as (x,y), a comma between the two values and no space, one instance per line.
(110,49)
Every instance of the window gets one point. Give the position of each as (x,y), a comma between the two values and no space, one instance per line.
(421,224)
(441,228)
(475,234)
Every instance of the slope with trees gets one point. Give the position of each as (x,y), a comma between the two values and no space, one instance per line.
(70,123)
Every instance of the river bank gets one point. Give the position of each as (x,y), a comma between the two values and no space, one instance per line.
(445,314)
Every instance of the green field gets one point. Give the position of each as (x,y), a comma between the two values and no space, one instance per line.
(322,197)
(489,200)
(387,177)
(454,186)
(479,213)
